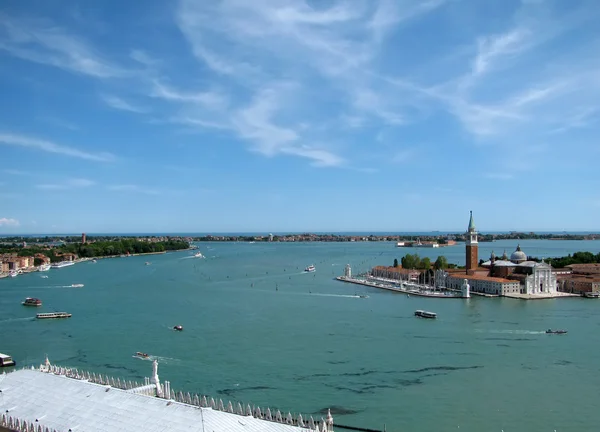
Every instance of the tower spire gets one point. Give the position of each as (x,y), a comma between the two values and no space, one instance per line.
(471,223)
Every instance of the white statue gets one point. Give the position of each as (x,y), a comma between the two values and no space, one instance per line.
(155,380)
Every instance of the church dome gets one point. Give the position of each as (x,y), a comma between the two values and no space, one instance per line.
(518,255)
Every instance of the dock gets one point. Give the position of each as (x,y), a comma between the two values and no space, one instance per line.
(410,291)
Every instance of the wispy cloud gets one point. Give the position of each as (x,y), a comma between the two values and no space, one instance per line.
(17,172)
(44,42)
(9,222)
(134,189)
(51,147)
(332,47)
(74,183)
(120,104)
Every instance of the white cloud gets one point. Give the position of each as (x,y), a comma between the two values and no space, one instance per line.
(120,104)
(9,222)
(50,147)
(133,188)
(73,183)
(329,47)
(44,42)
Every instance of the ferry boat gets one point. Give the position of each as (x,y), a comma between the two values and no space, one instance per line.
(592,294)
(52,315)
(30,301)
(550,331)
(311,268)
(6,360)
(425,314)
(62,264)
(44,267)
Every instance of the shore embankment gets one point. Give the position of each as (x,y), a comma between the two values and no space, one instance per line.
(416,290)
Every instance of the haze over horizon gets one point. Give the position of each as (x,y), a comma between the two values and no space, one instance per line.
(298,116)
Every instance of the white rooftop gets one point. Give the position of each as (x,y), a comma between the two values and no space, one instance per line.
(68,404)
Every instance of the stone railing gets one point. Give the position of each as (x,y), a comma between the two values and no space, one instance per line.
(148,388)
(18,425)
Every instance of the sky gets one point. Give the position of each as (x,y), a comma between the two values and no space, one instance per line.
(298,115)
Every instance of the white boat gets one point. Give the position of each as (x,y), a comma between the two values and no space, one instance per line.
(13,273)
(62,264)
(198,255)
(425,314)
(44,267)
(6,360)
(77,286)
(52,315)
(592,294)
(311,268)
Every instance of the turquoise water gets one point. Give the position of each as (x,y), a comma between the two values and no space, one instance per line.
(259,330)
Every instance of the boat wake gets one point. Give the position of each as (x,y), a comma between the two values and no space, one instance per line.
(16,319)
(333,295)
(515,332)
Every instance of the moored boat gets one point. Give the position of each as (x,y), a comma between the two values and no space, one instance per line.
(13,273)
(550,331)
(311,268)
(44,267)
(592,294)
(52,315)
(425,314)
(6,360)
(62,264)
(31,301)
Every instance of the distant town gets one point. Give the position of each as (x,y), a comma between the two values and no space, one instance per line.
(408,239)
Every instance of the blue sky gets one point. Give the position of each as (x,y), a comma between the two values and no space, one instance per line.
(281,115)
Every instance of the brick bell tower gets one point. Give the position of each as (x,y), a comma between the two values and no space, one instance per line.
(472,247)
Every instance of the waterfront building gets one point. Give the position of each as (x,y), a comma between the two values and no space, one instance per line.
(64,399)
(579,278)
(504,276)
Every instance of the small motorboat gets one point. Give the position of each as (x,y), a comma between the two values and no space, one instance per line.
(147,263)
(30,301)
(550,331)
(178,328)
(310,269)
(425,314)
(141,355)
(77,286)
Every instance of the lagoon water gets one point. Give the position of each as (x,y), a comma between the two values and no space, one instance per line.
(259,330)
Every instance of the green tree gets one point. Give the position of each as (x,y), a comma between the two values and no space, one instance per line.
(425,264)
(441,263)
(395,262)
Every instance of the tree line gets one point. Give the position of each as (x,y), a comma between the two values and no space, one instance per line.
(576,258)
(99,248)
(414,261)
